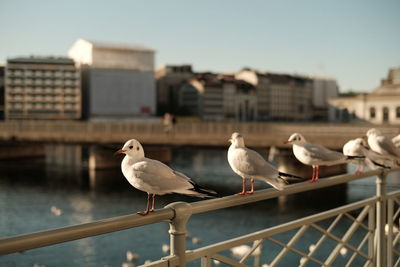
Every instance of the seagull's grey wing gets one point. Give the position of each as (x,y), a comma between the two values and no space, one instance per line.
(159,176)
(322,153)
(251,163)
(387,146)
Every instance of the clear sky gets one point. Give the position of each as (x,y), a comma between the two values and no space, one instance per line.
(355,41)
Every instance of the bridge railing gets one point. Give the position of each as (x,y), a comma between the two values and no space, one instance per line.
(375,247)
(259,134)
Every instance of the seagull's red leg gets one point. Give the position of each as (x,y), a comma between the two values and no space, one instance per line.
(313,175)
(152,202)
(316,178)
(243,187)
(252,187)
(145,212)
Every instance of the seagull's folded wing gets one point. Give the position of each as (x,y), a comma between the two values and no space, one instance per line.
(322,153)
(159,176)
(251,163)
(387,146)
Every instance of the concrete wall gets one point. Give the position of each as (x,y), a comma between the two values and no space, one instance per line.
(121,93)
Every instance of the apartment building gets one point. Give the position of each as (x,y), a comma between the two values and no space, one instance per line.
(42,88)
(118,80)
(170,78)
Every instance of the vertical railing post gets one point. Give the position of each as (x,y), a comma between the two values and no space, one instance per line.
(389,240)
(177,230)
(380,219)
(371,227)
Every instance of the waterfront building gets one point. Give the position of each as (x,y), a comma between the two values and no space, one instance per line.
(2,92)
(260,92)
(202,96)
(118,80)
(42,88)
(323,89)
(170,78)
(381,106)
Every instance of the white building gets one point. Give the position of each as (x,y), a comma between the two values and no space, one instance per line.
(379,107)
(118,80)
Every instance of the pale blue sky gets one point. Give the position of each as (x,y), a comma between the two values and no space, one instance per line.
(356,41)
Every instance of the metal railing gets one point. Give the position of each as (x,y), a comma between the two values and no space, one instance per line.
(373,247)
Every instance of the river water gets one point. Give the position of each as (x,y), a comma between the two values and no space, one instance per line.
(35,197)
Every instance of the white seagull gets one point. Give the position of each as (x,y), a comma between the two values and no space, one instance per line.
(248,163)
(315,155)
(383,145)
(358,147)
(396,141)
(154,177)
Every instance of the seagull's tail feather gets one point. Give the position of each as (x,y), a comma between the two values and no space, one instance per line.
(287,176)
(354,157)
(199,191)
(379,165)
(277,183)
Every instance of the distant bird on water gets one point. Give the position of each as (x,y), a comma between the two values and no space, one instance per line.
(249,164)
(154,177)
(315,155)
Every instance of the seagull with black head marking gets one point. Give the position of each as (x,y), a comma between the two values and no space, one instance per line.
(315,155)
(154,177)
(249,164)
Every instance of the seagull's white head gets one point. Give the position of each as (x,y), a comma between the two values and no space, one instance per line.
(237,140)
(296,138)
(132,148)
(373,132)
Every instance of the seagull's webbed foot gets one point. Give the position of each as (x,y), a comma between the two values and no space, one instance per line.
(243,188)
(145,212)
(252,187)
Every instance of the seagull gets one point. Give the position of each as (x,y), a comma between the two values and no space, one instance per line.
(154,177)
(315,155)
(383,145)
(359,147)
(396,141)
(248,163)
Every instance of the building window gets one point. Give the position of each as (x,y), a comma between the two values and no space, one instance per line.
(398,112)
(372,113)
(385,112)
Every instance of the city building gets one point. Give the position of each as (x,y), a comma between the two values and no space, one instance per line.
(202,96)
(260,92)
(2,92)
(42,88)
(381,106)
(323,88)
(118,80)
(290,97)
(170,79)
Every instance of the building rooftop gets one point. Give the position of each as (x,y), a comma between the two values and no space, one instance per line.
(41,60)
(119,46)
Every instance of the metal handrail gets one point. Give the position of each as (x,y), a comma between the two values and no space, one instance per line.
(49,237)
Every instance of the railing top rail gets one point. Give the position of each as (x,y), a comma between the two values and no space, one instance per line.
(55,236)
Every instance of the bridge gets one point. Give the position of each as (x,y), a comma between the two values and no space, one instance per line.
(370,236)
(185,133)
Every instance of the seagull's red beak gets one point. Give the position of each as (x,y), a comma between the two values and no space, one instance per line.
(121,151)
(286,142)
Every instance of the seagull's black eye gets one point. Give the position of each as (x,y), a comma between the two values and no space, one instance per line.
(130,147)
(137,148)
